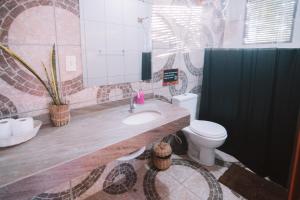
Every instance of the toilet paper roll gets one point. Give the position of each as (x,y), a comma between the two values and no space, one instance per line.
(22,126)
(5,128)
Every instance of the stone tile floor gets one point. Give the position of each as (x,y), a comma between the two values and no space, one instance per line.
(184,180)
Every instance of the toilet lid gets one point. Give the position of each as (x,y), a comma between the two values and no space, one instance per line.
(208,129)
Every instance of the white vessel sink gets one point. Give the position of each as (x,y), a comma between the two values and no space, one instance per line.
(141,117)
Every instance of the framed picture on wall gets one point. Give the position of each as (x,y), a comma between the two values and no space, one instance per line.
(170,77)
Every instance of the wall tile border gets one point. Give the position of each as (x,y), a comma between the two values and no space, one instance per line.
(105,90)
(7,107)
(11,73)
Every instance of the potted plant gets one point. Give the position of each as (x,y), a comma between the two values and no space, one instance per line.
(58,109)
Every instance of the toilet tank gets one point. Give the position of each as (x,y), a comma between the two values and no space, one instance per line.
(187,101)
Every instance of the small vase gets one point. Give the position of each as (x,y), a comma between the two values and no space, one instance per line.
(59,114)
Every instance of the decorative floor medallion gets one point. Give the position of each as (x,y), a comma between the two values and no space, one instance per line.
(185,179)
(76,191)
(150,190)
(120,179)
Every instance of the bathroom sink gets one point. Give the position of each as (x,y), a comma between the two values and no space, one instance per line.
(142,117)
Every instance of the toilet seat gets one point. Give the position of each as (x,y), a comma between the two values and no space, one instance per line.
(208,129)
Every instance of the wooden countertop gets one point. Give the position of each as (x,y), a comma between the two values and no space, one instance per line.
(95,136)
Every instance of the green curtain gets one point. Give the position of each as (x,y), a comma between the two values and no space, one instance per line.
(255,95)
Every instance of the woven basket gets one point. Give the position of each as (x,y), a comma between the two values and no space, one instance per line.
(59,114)
(162,156)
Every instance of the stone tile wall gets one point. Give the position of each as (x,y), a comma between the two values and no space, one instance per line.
(30,27)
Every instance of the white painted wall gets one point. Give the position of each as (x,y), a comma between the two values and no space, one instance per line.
(234,29)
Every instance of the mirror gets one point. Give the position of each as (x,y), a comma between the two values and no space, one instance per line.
(114,35)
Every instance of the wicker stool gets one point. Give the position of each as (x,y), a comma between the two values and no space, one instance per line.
(162,156)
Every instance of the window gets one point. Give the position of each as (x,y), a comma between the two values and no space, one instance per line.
(269,21)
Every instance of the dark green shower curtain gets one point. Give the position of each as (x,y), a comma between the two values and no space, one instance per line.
(255,95)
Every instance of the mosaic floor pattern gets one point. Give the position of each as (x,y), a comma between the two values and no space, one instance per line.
(184,180)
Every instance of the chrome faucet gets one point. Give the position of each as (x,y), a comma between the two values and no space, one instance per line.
(132,101)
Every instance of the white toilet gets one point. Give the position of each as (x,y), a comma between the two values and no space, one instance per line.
(203,136)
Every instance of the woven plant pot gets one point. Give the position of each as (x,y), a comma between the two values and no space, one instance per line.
(162,156)
(59,114)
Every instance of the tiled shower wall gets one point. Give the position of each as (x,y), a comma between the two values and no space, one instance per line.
(31,27)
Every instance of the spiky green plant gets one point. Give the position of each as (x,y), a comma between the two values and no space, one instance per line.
(51,85)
